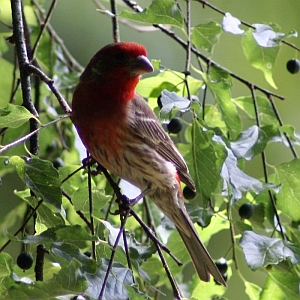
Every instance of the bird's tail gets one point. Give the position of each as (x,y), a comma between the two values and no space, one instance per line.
(201,259)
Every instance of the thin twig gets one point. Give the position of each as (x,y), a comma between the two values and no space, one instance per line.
(264,162)
(43,28)
(73,173)
(205,93)
(27,136)
(110,264)
(23,225)
(115,23)
(153,237)
(102,9)
(173,282)
(188,47)
(92,227)
(232,236)
(281,123)
(31,69)
(175,287)
(80,213)
(150,219)
(127,254)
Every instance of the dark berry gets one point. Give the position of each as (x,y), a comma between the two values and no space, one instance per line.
(246,211)
(159,104)
(222,265)
(57,163)
(269,267)
(88,253)
(293,66)
(188,193)
(25,261)
(175,125)
(225,277)
(78,297)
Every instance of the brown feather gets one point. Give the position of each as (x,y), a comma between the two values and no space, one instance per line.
(147,127)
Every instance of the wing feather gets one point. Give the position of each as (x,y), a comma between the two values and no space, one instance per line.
(146,126)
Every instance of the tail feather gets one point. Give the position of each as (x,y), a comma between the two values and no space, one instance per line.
(173,207)
(201,259)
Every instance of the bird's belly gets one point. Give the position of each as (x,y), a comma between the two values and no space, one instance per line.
(139,164)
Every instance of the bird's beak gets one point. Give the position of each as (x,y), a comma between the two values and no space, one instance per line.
(141,65)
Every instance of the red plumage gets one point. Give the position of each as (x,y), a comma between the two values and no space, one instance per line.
(122,133)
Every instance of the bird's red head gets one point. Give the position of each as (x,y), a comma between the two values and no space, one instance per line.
(118,61)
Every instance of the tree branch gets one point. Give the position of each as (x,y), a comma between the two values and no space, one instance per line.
(22,54)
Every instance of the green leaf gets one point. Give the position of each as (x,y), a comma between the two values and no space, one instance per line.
(205,36)
(259,57)
(213,117)
(209,290)
(159,12)
(204,158)
(5,264)
(235,180)
(169,100)
(45,216)
(40,176)
(287,280)
(14,116)
(261,251)
(65,253)
(271,288)
(139,251)
(119,277)
(170,80)
(73,233)
(252,290)
(201,216)
(240,227)
(141,273)
(219,83)
(19,164)
(81,202)
(288,198)
(257,220)
(155,270)
(291,133)
(68,279)
(231,24)
(250,142)
(265,36)
(265,110)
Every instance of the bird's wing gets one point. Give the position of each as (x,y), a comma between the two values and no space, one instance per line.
(146,125)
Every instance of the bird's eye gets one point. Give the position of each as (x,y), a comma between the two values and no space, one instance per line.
(119,56)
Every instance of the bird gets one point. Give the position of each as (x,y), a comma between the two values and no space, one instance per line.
(122,133)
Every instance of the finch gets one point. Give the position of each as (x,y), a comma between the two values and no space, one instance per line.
(122,134)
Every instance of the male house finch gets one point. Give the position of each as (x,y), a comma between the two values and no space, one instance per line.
(122,134)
